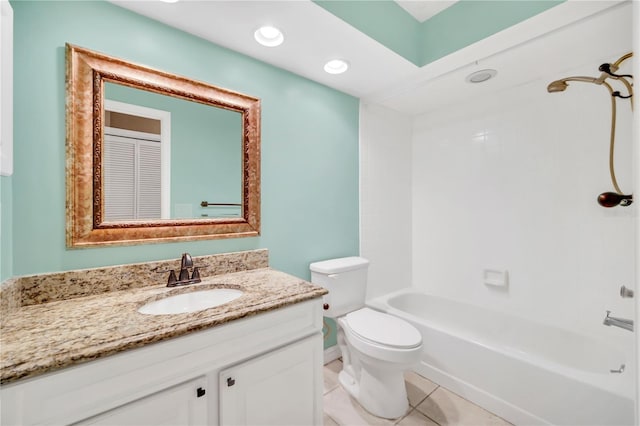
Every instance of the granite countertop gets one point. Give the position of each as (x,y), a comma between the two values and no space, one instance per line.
(44,337)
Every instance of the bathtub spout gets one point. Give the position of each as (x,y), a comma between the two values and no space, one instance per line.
(627,324)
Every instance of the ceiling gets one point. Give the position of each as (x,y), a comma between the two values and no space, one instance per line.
(377,74)
(423,10)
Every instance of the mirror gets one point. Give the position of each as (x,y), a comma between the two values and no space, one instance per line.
(153,156)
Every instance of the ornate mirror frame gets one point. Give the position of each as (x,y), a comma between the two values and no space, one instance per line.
(86,73)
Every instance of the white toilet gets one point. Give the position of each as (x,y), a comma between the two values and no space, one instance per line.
(376,347)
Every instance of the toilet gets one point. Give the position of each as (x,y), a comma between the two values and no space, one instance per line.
(376,347)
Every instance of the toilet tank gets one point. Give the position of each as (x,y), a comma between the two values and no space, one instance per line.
(346,280)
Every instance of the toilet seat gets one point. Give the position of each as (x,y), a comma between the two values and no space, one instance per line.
(382,329)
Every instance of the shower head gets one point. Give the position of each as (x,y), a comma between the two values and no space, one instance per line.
(561,85)
(557,86)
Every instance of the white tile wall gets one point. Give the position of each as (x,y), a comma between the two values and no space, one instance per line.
(385,198)
(510,182)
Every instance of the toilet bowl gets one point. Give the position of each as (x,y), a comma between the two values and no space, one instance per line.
(376,350)
(376,347)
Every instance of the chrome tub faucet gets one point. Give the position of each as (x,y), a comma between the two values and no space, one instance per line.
(627,324)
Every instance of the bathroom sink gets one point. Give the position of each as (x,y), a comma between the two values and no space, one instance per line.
(190,302)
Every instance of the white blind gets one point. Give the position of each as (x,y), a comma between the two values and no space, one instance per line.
(131,170)
(149,193)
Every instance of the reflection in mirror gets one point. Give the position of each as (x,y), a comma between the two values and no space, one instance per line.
(153,156)
(204,161)
(135,162)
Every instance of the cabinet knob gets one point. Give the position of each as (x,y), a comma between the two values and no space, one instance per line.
(230,382)
(325,306)
(200,392)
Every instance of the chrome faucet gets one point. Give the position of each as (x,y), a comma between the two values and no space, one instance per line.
(627,324)
(186,263)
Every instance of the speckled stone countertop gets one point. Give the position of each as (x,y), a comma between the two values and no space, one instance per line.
(40,338)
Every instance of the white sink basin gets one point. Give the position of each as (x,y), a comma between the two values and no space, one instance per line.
(190,302)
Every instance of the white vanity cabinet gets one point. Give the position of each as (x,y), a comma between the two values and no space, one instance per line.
(183,404)
(275,389)
(260,370)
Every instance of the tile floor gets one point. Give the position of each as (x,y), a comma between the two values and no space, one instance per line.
(429,405)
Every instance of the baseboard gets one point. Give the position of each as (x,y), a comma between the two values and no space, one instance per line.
(331,354)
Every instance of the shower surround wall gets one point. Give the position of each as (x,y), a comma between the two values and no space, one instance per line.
(509,182)
(385,198)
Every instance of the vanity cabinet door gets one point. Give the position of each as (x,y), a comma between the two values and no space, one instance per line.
(282,387)
(183,404)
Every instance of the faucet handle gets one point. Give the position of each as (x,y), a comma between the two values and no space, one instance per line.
(172,278)
(195,275)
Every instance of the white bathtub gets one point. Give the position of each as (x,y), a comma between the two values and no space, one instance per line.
(525,372)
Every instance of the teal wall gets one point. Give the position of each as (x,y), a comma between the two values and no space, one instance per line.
(6,222)
(206,151)
(469,21)
(309,141)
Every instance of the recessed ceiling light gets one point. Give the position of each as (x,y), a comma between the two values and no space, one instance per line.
(336,66)
(269,36)
(481,76)
(170,1)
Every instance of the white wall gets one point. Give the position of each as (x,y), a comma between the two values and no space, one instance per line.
(636,171)
(385,198)
(510,182)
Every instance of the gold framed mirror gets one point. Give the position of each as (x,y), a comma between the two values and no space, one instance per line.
(88,73)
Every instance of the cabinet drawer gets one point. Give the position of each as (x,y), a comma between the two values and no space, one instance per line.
(183,404)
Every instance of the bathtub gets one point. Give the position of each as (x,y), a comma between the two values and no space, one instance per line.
(525,372)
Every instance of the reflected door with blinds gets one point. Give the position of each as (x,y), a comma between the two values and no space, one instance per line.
(132,169)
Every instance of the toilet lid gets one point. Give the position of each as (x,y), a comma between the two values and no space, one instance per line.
(383,329)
